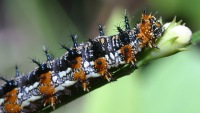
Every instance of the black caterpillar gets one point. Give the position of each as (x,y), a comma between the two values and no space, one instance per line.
(78,65)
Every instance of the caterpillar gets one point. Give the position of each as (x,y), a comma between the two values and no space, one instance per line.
(82,62)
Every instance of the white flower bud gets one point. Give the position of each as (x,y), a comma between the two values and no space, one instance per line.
(184,34)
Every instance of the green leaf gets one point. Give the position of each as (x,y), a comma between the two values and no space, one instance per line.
(196,37)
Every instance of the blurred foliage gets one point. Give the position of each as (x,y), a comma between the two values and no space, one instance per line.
(196,37)
(167,85)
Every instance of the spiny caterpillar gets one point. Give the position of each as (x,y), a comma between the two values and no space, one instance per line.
(78,65)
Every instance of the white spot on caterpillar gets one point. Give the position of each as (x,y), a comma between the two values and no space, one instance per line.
(107,58)
(112,56)
(116,54)
(33,98)
(86,64)
(68,70)
(26,89)
(1,101)
(118,51)
(59,88)
(55,78)
(30,88)
(62,74)
(20,95)
(27,102)
(132,44)
(35,84)
(92,63)
(68,83)
(109,66)
(93,75)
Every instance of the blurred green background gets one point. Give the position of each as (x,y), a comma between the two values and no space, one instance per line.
(167,85)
